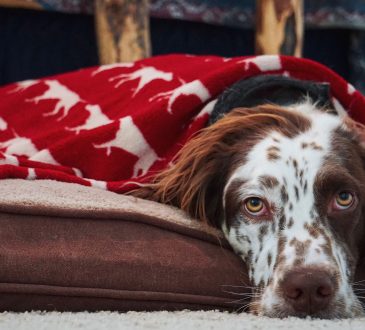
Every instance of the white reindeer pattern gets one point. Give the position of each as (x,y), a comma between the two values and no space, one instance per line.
(131,139)
(194,87)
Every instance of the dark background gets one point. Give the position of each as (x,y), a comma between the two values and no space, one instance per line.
(39,43)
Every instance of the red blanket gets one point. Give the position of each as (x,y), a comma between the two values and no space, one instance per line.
(103,126)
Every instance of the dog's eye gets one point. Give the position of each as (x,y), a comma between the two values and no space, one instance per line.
(254,205)
(343,200)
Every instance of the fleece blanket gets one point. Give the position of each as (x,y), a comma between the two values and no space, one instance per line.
(105,126)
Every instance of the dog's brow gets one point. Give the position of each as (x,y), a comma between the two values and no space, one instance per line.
(335,176)
(268,181)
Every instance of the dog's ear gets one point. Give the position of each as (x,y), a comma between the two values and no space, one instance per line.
(271,89)
(195,181)
(357,130)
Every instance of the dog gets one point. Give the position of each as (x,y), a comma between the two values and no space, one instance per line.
(281,171)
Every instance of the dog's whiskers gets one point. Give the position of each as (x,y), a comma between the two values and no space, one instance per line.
(244,307)
(239,300)
(241,293)
(240,286)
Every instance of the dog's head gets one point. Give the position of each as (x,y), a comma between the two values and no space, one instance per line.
(294,210)
(286,185)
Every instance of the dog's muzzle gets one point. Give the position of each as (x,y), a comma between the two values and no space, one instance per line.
(308,291)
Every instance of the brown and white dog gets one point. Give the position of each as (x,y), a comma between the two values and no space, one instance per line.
(283,177)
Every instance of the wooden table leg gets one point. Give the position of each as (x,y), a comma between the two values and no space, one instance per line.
(122,30)
(279,27)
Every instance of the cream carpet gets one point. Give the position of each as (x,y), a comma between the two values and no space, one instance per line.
(165,320)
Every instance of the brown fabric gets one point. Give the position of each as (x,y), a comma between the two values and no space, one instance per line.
(82,252)
(46,197)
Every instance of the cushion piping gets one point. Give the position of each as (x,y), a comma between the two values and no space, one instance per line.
(38,289)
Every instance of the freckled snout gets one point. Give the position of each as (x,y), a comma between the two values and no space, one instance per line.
(308,291)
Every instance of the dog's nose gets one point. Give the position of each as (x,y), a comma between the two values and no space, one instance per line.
(308,291)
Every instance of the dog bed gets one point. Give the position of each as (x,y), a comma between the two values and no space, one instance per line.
(70,142)
(69,247)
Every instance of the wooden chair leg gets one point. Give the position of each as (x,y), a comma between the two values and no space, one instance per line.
(122,30)
(279,27)
(28,4)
